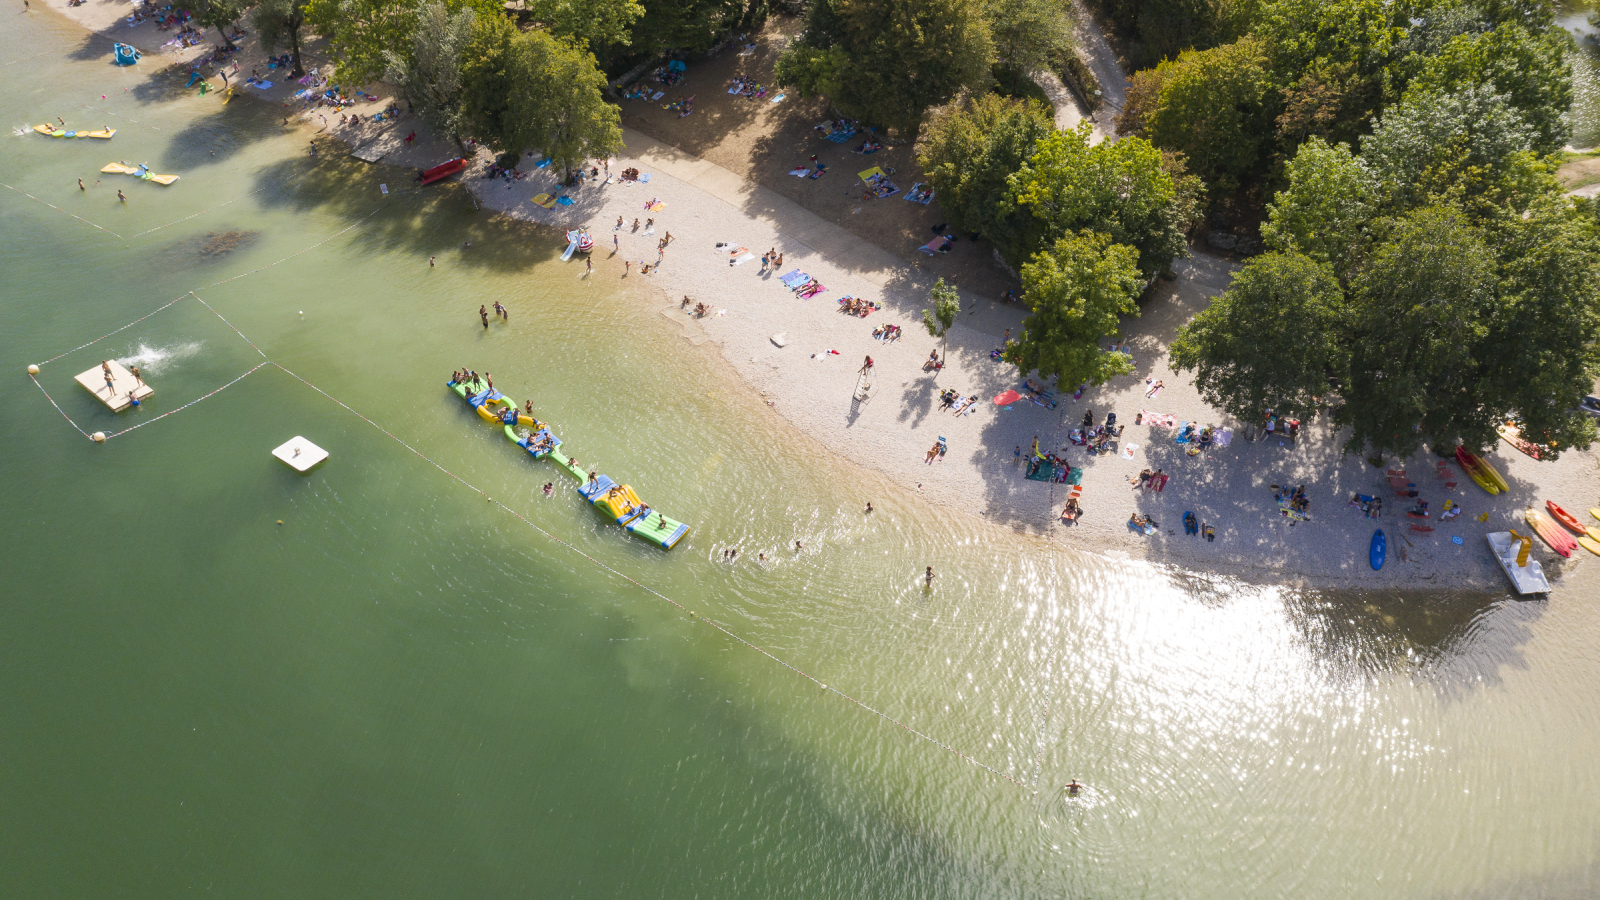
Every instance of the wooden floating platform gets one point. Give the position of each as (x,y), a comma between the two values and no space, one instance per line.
(124,387)
(300,454)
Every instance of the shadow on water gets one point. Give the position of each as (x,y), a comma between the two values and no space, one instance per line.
(424,221)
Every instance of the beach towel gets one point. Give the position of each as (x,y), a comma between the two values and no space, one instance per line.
(794,278)
(1223,437)
(936,245)
(542,164)
(738,87)
(261,84)
(735,252)
(739,261)
(839,137)
(644,178)
(1182,438)
(800,171)
(564,200)
(819,172)
(1157,420)
(658,206)
(920,193)
(864,176)
(544,200)
(1127,451)
(658,95)
(779,97)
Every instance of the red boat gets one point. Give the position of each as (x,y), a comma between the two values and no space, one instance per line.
(1566,518)
(442,171)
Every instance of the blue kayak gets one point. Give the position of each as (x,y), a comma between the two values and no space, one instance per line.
(1380,549)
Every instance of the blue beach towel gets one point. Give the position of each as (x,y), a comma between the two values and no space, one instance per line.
(794,278)
(644,177)
(564,200)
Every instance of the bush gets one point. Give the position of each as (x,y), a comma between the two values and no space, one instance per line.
(1013,83)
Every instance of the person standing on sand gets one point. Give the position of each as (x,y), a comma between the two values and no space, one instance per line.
(483,314)
(626,265)
(619,224)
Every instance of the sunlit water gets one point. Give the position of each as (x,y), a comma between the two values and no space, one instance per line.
(403,691)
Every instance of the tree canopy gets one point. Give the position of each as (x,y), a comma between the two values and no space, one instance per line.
(430,76)
(278,24)
(362,33)
(1077,289)
(1118,189)
(969,154)
(887,61)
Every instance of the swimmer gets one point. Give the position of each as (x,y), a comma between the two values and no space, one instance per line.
(869,506)
(798,546)
(1073,787)
(121,198)
(761,557)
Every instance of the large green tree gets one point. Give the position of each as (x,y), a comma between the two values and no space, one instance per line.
(1324,211)
(430,75)
(1530,69)
(1212,106)
(689,25)
(1029,34)
(1119,189)
(362,33)
(526,90)
(969,154)
(887,61)
(218,14)
(599,25)
(1271,341)
(1078,289)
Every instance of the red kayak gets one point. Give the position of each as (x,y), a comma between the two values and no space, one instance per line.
(443,171)
(1566,518)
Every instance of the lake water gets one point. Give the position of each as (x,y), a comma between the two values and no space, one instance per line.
(404,691)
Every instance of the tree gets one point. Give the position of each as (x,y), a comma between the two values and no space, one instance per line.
(1540,357)
(1077,288)
(1271,341)
(278,25)
(1463,146)
(430,77)
(361,33)
(1531,69)
(969,152)
(1029,34)
(1211,107)
(887,61)
(946,306)
(1118,189)
(1419,311)
(690,25)
(1324,211)
(526,90)
(218,14)
(598,25)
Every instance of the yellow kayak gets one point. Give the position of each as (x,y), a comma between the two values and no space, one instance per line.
(1494,475)
(117,168)
(57,131)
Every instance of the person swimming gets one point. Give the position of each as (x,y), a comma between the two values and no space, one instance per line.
(1073,787)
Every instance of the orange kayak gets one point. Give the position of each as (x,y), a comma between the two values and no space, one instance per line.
(1565,518)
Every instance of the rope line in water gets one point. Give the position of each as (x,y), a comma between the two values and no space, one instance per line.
(200,213)
(1038,747)
(59,209)
(120,116)
(652,591)
(719,627)
(189,404)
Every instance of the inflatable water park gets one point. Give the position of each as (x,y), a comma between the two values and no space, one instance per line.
(616,501)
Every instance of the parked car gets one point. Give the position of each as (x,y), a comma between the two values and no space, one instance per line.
(1590,405)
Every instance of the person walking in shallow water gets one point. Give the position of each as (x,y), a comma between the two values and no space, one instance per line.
(483,313)
(929,576)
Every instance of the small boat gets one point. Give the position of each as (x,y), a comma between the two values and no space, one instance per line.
(54,131)
(124,54)
(1550,532)
(1512,552)
(143,172)
(1565,518)
(1477,470)
(442,171)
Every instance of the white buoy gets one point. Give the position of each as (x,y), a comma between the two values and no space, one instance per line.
(33,370)
(99,437)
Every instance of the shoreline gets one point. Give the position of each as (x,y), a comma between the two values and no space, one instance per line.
(890,432)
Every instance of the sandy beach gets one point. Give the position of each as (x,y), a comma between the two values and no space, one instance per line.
(804,357)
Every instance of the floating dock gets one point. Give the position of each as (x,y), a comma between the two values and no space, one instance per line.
(300,454)
(618,501)
(124,388)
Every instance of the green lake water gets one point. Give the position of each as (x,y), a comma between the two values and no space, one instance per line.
(402,691)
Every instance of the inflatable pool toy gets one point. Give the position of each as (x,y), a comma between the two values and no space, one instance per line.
(124,54)
(117,168)
(619,501)
(54,131)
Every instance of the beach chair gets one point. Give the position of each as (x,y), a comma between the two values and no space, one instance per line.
(1446,474)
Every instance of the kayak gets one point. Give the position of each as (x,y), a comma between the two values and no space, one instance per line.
(1379,550)
(1550,532)
(442,171)
(1512,435)
(1564,517)
(1473,466)
(117,168)
(1590,544)
(49,130)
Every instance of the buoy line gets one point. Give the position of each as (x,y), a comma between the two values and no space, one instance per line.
(101,437)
